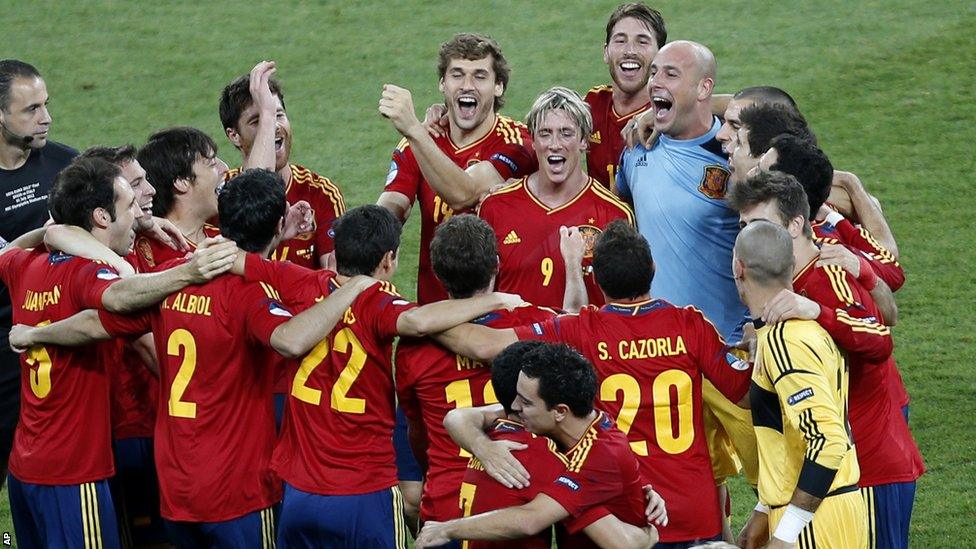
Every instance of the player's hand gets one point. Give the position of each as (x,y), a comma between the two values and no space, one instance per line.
(260,88)
(840,255)
(213,257)
(776,543)
(640,130)
(396,104)
(509,302)
(435,120)
(20,339)
(433,534)
(656,511)
(500,464)
(755,532)
(166,232)
(787,305)
(824,211)
(300,219)
(748,342)
(571,246)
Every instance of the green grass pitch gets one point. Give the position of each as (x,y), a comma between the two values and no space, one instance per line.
(889,87)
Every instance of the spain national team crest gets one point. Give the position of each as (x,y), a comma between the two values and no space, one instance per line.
(145,250)
(590,234)
(714,181)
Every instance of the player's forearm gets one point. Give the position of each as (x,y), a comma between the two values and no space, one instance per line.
(28,240)
(79,329)
(870,214)
(262,153)
(574,297)
(467,425)
(145,347)
(79,242)
(475,341)
(396,203)
(508,523)
(612,533)
(457,187)
(865,338)
(885,300)
(145,290)
(439,316)
(296,337)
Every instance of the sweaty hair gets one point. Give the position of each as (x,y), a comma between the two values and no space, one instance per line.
(250,206)
(622,262)
(765,121)
(650,17)
(767,95)
(808,164)
(80,188)
(116,155)
(766,251)
(565,99)
(472,47)
(169,155)
(565,377)
(791,201)
(464,255)
(236,98)
(10,70)
(363,236)
(505,370)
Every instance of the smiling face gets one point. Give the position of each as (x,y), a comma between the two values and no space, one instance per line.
(208,173)
(727,134)
(133,173)
(26,119)
(629,53)
(247,127)
(470,89)
(531,408)
(559,146)
(741,160)
(121,231)
(677,88)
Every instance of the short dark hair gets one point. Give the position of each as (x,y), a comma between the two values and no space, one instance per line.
(808,164)
(565,377)
(115,155)
(791,201)
(766,121)
(236,98)
(80,188)
(643,13)
(250,206)
(169,155)
(363,235)
(472,47)
(464,255)
(622,262)
(767,95)
(10,70)
(505,370)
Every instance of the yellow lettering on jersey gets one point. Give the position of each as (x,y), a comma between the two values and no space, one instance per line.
(651,348)
(465,363)
(283,256)
(348,318)
(38,301)
(601,348)
(190,304)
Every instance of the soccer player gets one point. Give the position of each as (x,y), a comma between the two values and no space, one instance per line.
(59,495)
(215,433)
(889,459)
(642,349)
(481,149)
(808,468)
(526,215)
(554,397)
(253,115)
(28,164)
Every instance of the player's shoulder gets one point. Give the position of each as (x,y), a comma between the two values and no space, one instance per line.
(605,196)
(306,179)
(511,191)
(791,343)
(598,94)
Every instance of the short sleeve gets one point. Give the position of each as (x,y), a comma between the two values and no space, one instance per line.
(513,160)
(624,175)
(296,282)
(560,329)
(404,176)
(598,481)
(90,281)
(10,263)
(386,306)
(264,313)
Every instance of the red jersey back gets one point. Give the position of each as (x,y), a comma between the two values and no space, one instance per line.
(431,381)
(150,253)
(886,451)
(527,232)
(650,358)
(479,493)
(215,422)
(508,146)
(64,433)
(606,143)
(337,434)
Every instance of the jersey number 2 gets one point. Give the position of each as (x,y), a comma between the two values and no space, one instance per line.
(345,341)
(671,438)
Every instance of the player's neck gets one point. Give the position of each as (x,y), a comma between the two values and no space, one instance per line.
(699,123)
(804,250)
(13,156)
(189,224)
(554,195)
(572,429)
(626,103)
(285,173)
(641,299)
(758,296)
(462,138)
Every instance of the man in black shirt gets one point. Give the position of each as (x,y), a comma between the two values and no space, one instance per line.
(28,165)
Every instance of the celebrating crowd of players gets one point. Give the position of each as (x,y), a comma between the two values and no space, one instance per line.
(207,359)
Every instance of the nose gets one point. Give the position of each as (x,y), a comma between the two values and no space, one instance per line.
(150,190)
(45,116)
(221,167)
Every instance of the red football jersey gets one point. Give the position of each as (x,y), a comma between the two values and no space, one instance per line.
(480,493)
(527,232)
(431,381)
(64,433)
(650,358)
(215,427)
(606,143)
(886,451)
(337,434)
(150,253)
(327,204)
(508,146)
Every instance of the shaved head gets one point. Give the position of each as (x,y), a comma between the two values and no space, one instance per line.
(681,85)
(765,251)
(697,55)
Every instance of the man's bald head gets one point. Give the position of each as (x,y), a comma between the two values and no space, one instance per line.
(682,80)
(694,55)
(764,255)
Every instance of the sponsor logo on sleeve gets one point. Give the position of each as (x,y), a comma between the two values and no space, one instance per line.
(505,160)
(714,181)
(568,483)
(394,169)
(277,309)
(736,363)
(106,274)
(537,328)
(799,396)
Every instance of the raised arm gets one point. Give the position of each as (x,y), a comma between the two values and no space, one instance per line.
(868,211)
(262,154)
(30,239)
(572,248)
(397,203)
(439,316)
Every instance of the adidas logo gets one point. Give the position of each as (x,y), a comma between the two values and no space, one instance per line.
(512,238)
(595,138)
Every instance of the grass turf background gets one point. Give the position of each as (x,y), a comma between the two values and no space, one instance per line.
(889,88)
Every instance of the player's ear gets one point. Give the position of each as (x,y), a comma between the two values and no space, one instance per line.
(795,228)
(499,89)
(560,412)
(181,185)
(440,84)
(606,55)
(705,88)
(101,218)
(234,137)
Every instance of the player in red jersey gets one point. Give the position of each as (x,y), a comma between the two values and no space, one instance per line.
(431,380)
(215,433)
(57,470)
(642,350)
(554,395)
(253,115)
(527,214)
(480,149)
(889,460)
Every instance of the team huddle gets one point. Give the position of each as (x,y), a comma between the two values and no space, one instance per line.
(626,300)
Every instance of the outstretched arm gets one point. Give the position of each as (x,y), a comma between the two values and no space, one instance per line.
(475,341)
(439,316)
(509,523)
(79,242)
(79,329)
(868,211)
(262,154)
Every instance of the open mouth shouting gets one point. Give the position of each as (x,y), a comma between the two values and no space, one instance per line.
(663,105)
(556,162)
(467,106)
(630,67)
